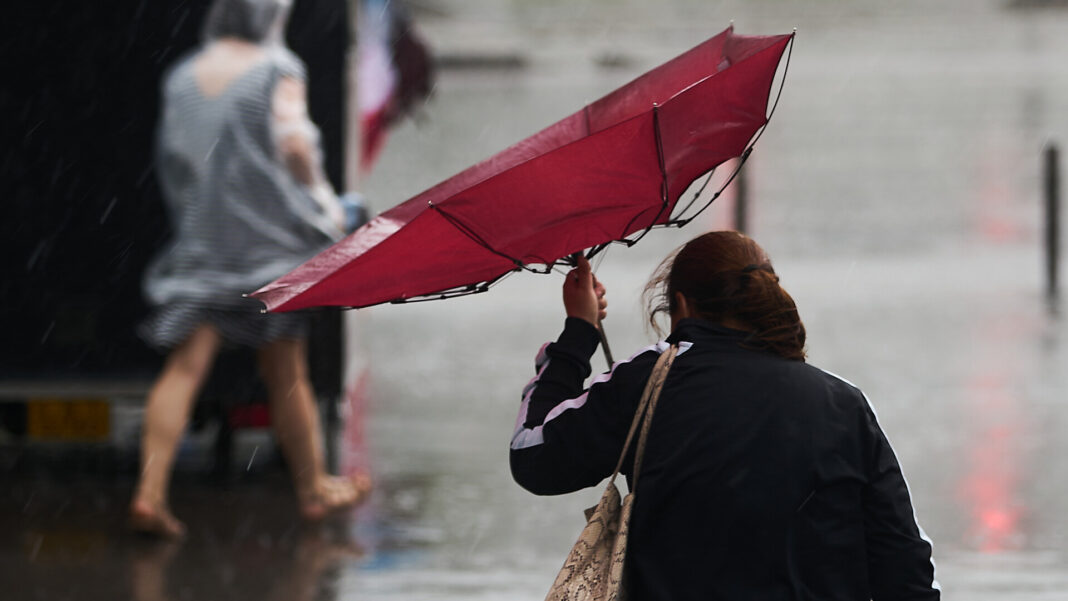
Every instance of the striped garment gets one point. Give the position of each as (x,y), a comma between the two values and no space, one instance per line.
(239,218)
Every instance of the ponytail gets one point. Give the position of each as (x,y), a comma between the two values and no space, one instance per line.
(726,276)
(772,314)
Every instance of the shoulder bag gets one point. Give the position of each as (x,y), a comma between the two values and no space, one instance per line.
(594,567)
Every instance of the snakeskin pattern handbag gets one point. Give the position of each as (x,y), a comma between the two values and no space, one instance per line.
(594,567)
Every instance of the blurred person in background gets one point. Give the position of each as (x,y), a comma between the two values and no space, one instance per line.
(763,477)
(239,164)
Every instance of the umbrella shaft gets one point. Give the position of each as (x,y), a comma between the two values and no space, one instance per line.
(604,345)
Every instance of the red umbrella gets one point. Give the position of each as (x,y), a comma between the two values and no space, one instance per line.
(608,172)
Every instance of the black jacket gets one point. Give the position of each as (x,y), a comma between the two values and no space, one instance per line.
(763,478)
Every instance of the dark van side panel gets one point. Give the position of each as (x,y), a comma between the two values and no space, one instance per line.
(82,212)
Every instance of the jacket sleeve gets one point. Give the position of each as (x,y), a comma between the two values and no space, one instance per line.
(900,565)
(568,437)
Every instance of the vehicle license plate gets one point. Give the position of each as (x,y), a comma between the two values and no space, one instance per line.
(68,420)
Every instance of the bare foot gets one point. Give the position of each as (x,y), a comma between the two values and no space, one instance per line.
(156,521)
(334,493)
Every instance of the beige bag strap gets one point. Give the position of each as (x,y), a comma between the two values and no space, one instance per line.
(646,406)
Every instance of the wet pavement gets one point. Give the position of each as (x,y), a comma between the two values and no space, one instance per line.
(64,539)
(898,191)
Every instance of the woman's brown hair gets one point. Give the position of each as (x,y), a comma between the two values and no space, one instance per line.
(727,277)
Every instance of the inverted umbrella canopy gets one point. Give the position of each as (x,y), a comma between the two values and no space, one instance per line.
(613,169)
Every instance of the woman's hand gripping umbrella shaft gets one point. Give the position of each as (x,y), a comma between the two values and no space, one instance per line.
(584,298)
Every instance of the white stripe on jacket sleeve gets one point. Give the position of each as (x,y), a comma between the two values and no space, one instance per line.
(523,438)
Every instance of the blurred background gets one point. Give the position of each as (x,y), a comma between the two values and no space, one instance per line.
(899,188)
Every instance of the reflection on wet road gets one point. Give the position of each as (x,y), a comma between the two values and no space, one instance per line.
(64,539)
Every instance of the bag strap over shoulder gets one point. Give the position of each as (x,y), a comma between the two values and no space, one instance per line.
(644,413)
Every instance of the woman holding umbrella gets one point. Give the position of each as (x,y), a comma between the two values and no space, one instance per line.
(763,477)
(238,161)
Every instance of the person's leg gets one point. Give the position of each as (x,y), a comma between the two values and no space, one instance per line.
(166,415)
(295,417)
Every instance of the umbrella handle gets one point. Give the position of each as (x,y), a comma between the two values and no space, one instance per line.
(600,326)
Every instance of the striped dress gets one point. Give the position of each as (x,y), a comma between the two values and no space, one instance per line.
(239,218)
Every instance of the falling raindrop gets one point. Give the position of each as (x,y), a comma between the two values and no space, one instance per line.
(250,459)
(62,508)
(211,150)
(107,211)
(144,175)
(48,331)
(179,22)
(36,547)
(34,128)
(36,255)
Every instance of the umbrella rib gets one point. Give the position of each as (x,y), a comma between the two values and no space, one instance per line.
(458,291)
(782,84)
(774,105)
(661,160)
(482,242)
(700,191)
(664,191)
(679,222)
(596,250)
(663,182)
